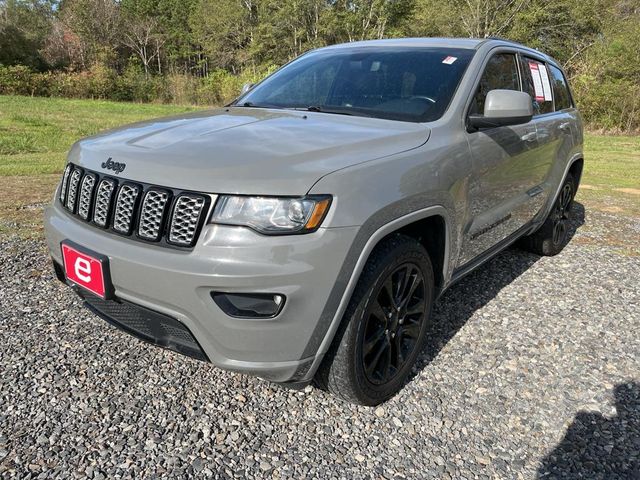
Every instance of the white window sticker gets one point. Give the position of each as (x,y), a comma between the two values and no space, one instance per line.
(537,81)
(546,85)
(449,60)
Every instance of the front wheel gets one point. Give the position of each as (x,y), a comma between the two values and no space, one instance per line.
(384,326)
(553,235)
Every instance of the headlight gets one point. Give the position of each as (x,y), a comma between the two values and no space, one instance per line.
(272,216)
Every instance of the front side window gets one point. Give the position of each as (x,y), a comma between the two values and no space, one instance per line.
(536,82)
(501,73)
(398,83)
(560,89)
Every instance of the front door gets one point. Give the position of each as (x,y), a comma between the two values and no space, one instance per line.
(505,167)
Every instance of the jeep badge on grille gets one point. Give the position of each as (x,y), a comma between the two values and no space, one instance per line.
(117,167)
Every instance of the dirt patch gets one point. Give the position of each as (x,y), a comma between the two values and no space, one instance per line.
(632,191)
(589,187)
(611,209)
(22,202)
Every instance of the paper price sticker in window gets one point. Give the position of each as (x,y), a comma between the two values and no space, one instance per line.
(537,81)
(546,85)
(449,60)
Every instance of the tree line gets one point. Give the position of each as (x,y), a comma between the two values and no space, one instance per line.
(200,51)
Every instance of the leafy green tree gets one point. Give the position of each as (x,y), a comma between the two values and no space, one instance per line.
(24,25)
(225,29)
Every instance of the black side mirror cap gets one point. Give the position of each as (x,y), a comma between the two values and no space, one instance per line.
(477,122)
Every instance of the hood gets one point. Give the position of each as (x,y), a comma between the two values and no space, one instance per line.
(245,150)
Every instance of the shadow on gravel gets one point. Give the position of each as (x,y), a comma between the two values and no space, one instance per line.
(597,447)
(452,311)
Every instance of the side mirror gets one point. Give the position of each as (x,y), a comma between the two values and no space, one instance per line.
(246,87)
(503,108)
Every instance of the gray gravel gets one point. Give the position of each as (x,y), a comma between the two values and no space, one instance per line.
(532,369)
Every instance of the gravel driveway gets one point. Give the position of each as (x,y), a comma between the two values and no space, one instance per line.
(532,369)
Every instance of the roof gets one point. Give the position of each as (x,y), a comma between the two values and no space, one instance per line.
(468,43)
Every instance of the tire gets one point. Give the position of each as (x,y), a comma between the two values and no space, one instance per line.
(377,343)
(553,235)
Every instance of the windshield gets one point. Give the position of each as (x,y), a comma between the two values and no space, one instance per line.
(410,84)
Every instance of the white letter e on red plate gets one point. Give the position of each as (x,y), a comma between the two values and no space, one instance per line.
(83,269)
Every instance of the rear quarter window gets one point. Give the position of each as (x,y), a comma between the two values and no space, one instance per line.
(561,93)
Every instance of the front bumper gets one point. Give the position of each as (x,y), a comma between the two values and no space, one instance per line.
(178,284)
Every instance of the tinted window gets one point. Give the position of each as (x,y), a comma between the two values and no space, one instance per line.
(536,82)
(500,73)
(560,89)
(412,84)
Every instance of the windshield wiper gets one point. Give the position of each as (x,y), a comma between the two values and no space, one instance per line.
(254,105)
(320,109)
(356,112)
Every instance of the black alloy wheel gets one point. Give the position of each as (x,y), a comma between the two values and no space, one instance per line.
(560,216)
(393,323)
(384,326)
(553,234)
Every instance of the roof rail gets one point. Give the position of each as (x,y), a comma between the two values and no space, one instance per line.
(521,45)
(502,39)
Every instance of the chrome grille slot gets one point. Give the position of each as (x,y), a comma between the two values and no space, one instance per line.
(167,216)
(103,202)
(86,194)
(185,219)
(65,181)
(153,208)
(125,206)
(73,189)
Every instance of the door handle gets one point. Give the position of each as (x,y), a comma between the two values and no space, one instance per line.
(528,137)
(565,126)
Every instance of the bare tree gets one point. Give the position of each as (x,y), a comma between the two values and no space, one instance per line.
(143,37)
(63,47)
(94,26)
(486,18)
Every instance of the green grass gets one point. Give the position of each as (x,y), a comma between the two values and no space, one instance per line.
(36,133)
(612,162)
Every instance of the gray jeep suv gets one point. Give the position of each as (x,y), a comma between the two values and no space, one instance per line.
(303,232)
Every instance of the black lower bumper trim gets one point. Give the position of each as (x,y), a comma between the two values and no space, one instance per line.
(148,325)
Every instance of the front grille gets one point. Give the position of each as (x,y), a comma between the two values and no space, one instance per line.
(103,202)
(86,195)
(73,189)
(184,221)
(153,208)
(143,212)
(125,206)
(65,181)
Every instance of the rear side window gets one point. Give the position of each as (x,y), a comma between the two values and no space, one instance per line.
(500,73)
(560,89)
(536,82)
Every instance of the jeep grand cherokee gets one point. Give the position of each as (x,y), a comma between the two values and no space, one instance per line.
(303,232)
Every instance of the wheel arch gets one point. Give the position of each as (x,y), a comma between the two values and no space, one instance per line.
(424,225)
(575,169)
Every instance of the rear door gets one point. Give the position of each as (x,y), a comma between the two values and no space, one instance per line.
(565,124)
(553,121)
(505,165)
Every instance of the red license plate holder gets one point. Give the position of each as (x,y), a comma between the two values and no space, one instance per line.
(87,269)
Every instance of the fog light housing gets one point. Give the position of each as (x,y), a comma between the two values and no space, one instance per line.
(249,305)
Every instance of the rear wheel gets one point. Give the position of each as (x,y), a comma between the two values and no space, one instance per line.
(384,325)
(553,235)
